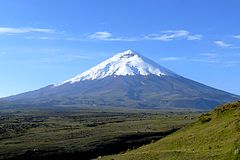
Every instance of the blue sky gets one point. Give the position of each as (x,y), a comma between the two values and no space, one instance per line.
(48,41)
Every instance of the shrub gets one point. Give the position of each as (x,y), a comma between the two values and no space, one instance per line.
(205,118)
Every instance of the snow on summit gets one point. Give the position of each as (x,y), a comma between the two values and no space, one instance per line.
(122,64)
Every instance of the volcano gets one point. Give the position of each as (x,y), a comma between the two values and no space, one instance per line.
(127,79)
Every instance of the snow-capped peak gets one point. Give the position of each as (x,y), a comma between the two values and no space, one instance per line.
(122,64)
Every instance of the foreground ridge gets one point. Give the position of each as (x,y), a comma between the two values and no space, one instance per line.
(216,135)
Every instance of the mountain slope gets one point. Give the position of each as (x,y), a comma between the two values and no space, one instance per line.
(126,80)
(215,136)
(122,64)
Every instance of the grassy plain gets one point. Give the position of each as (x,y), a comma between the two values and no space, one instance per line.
(73,132)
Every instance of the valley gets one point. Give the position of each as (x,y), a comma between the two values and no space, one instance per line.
(73,132)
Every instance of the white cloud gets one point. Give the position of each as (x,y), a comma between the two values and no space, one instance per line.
(173,34)
(72,57)
(168,35)
(236,36)
(100,35)
(204,60)
(170,58)
(209,55)
(194,37)
(8,30)
(165,36)
(106,36)
(223,44)
(231,63)
(207,59)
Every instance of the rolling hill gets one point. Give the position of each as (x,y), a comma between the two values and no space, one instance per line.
(216,135)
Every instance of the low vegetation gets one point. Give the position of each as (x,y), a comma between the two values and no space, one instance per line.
(73,132)
(215,136)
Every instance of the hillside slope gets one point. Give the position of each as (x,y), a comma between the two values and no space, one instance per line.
(216,135)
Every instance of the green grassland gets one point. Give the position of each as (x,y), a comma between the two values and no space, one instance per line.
(216,135)
(73,132)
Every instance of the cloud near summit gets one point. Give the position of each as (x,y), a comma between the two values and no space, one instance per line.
(172,35)
(168,35)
